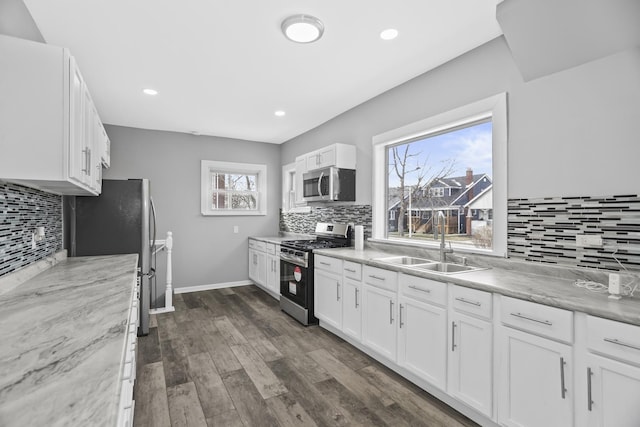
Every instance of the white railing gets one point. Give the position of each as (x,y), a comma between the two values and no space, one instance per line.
(167,246)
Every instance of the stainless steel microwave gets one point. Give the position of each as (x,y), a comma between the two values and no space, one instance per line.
(329,185)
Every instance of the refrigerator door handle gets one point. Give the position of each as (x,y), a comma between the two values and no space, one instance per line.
(153,213)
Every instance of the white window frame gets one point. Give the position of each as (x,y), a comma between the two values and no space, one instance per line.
(494,107)
(209,166)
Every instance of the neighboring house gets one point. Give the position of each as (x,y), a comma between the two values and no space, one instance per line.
(462,199)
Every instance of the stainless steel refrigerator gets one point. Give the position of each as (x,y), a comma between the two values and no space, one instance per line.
(120,221)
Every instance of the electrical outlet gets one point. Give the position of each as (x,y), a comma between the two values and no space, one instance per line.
(236,229)
(588,240)
(614,285)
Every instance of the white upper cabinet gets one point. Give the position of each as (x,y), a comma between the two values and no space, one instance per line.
(338,155)
(51,132)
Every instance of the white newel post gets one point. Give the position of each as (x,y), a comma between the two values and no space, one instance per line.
(168,295)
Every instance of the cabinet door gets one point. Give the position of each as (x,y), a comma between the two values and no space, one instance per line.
(328,297)
(379,320)
(471,361)
(535,381)
(422,340)
(257,266)
(273,274)
(301,168)
(352,308)
(77,153)
(613,393)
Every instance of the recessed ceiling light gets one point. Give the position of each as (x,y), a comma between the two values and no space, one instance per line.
(280,113)
(389,34)
(150,91)
(302,28)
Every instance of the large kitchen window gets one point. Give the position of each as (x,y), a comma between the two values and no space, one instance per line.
(445,174)
(233,188)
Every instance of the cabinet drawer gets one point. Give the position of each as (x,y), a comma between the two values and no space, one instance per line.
(352,270)
(539,319)
(422,289)
(615,339)
(381,278)
(471,301)
(270,248)
(333,265)
(257,245)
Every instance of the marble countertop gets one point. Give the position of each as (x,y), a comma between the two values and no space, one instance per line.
(63,336)
(518,280)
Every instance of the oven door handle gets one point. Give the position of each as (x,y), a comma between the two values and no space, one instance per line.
(293,261)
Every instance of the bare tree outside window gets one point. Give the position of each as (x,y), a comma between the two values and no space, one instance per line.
(449,172)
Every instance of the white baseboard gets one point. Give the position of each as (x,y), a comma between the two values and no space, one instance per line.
(161,310)
(188,289)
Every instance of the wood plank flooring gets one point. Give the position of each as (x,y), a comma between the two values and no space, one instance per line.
(230,357)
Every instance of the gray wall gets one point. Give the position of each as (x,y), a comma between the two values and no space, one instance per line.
(16,21)
(206,251)
(571,133)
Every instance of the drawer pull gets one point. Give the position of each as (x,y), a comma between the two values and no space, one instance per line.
(350,270)
(624,344)
(589,399)
(466,301)
(325,263)
(428,291)
(453,336)
(377,277)
(390,311)
(522,316)
(563,389)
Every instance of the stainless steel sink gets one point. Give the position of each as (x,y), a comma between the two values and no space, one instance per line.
(404,260)
(446,267)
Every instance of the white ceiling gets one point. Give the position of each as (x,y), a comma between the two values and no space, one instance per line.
(223,67)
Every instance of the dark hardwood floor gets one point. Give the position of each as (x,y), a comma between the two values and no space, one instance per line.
(230,357)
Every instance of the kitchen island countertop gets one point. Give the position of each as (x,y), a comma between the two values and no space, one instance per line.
(515,279)
(63,336)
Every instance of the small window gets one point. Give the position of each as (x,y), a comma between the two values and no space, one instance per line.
(233,188)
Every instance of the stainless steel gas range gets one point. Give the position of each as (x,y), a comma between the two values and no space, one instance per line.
(296,269)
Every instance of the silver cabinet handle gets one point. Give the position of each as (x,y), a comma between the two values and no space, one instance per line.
(466,301)
(401,316)
(337,291)
(624,344)
(377,277)
(390,311)
(428,291)
(86,160)
(89,162)
(453,336)
(356,289)
(589,399)
(350,270)
(563,390)
(325,263)
(522,316)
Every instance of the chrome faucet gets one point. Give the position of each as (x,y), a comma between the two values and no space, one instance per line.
(443,248)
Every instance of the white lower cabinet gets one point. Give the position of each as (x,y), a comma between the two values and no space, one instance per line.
(352,308)
(470,358)
(327,292)
(272,264)
(613,392)
(535,386)
(422,340)
(422,328)
(379,320)
(610,375)
(257,263)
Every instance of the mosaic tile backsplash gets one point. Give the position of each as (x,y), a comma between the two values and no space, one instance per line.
(544,230)
(306,222)
(22,209)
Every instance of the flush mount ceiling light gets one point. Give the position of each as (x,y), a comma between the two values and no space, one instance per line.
(302,28)
(389,34)
(150,91)
(280,113)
